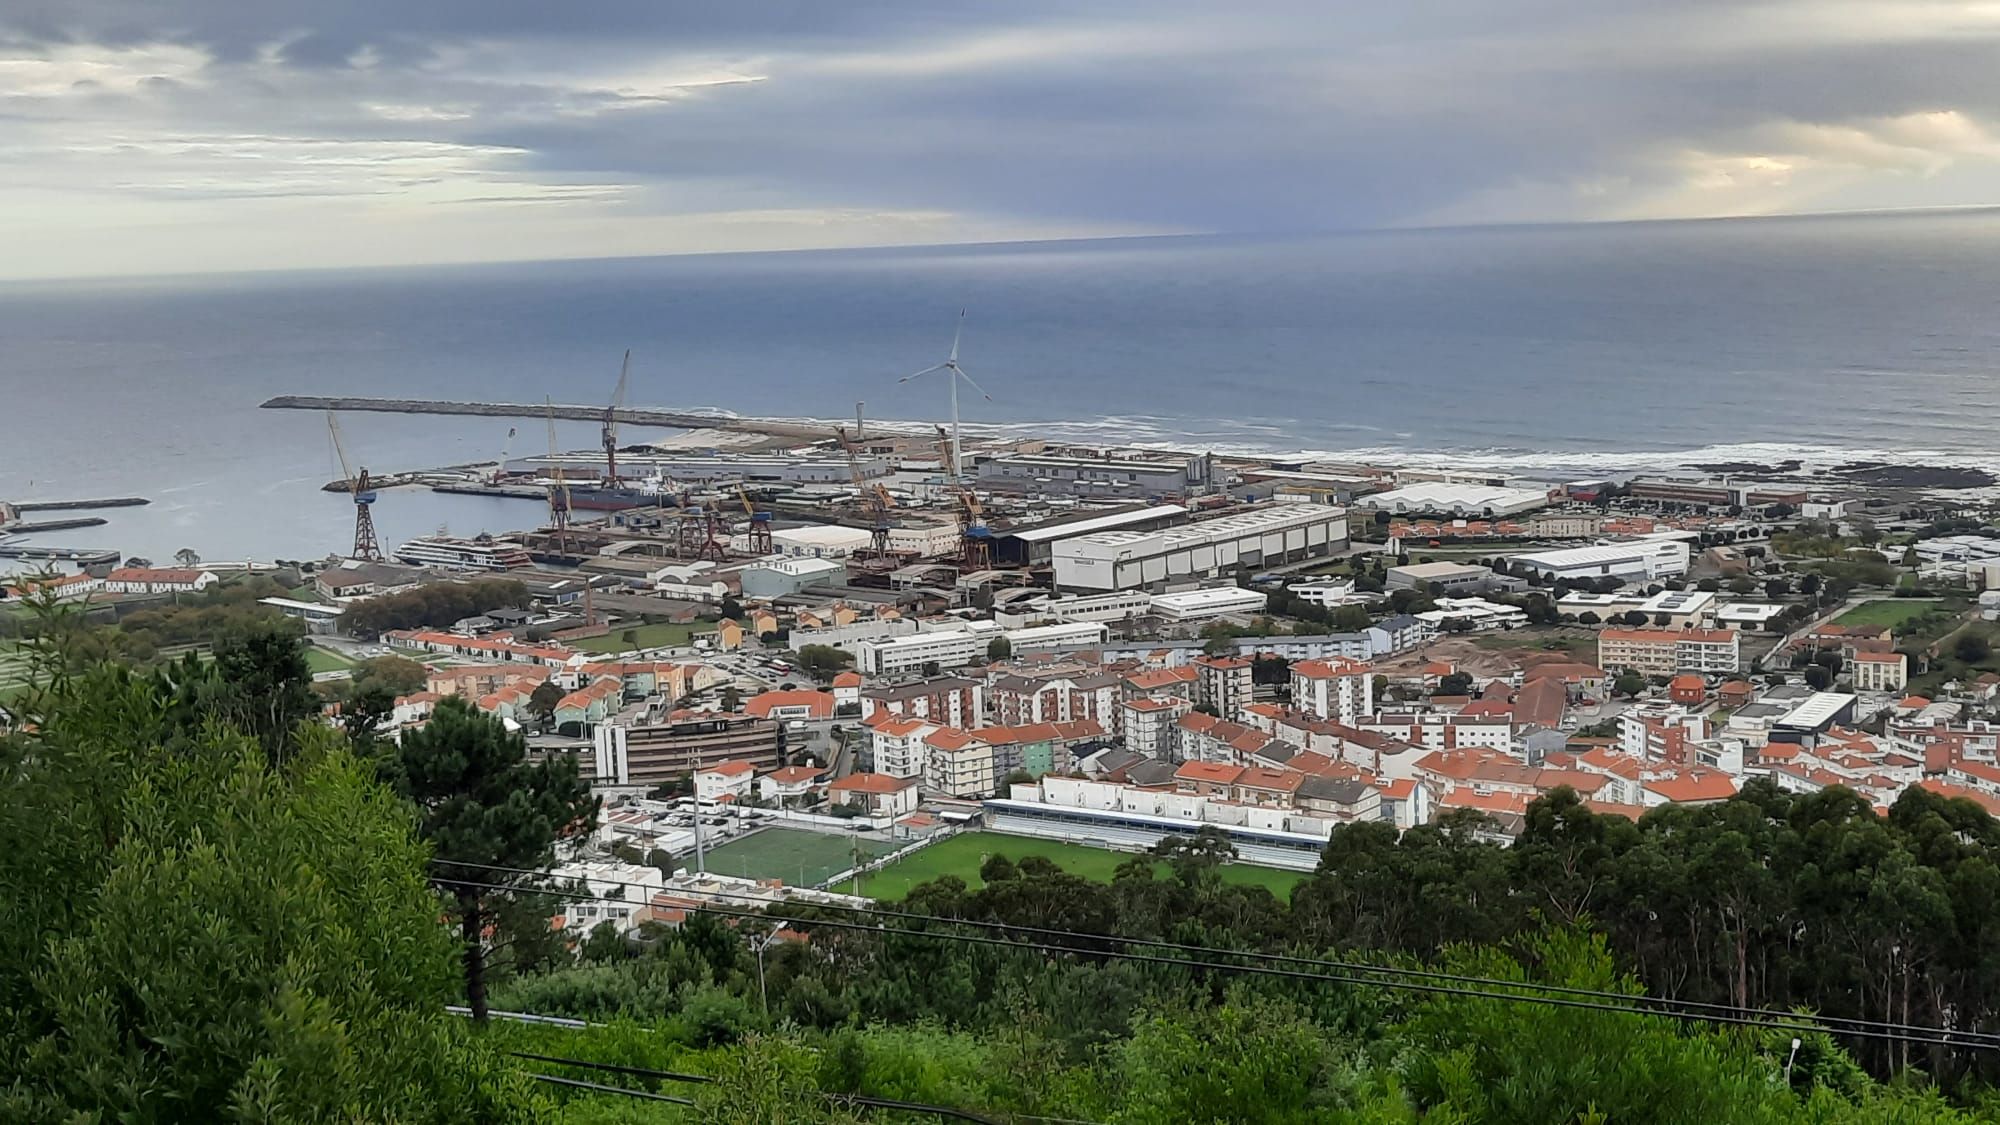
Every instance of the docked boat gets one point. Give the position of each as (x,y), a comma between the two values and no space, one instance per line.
(481,552)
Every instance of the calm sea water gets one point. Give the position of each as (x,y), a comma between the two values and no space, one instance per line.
(1561,349)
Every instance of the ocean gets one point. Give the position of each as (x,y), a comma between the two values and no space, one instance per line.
(1557,350)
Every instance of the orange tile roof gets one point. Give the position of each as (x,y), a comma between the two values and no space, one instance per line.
(871,783)
(1332,668)
(764,702)
(1878,658)
(1162,677)
(1212,772)
(1693,785)
(1257,777)
(951,739)
(728,769)
(791,775)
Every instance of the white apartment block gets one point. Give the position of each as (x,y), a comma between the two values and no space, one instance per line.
(1340,690)
(1149,723)
(956,648)
(958,764)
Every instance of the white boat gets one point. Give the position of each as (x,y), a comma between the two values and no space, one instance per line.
(481,552)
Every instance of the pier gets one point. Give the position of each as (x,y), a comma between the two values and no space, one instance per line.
(80,505)
(792,429)
(82,556)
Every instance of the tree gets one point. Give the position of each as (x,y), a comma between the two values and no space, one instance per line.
(485,807)
(1818,676)
(1742,584)
(731,609)
(1588,617)
(998,649)
(823,662)
(258,682)
(1971,648)
(1775,588)
(1629,684)
(542,701)
(1708,585)
(194,936)
(1194,856)
(630,639)
(1016,777)
(187,557)
(397,675)
(732,698)
(1455,683)
(1910,557)
(1809,583)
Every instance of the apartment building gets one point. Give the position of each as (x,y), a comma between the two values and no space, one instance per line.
(1663,652)
(952,701)
(1340,690)
(958,764)
(1224,683)
(1148,723)
(1879,671)
(649,745)
(1058,698)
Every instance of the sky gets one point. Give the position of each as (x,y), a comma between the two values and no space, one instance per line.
(167,136)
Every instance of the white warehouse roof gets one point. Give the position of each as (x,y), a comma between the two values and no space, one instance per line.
(1077,528)
(1216,599)
(1442,496)
(1242,525)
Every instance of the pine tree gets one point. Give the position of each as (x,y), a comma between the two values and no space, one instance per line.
(485,805)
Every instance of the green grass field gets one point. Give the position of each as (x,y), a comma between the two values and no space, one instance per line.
(647,636)
(1892,612)
(800,858)
(13,669)
(326,660)
(962,854)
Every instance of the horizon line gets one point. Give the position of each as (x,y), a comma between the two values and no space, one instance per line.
(978,244)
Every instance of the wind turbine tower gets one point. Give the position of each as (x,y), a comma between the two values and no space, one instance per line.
(953,373)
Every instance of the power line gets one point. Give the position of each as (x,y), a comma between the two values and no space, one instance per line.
(706,1080)
(1942,1037)
(1656,1005)
(601,1088)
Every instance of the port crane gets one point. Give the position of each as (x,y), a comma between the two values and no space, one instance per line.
(558,487)
(976,540)
(760,524)
(611,423)
(366,548)
(874,495)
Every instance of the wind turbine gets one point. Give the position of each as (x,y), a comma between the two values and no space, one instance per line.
(953,373)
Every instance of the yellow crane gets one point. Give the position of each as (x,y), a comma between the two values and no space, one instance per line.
(760,524)
(366,548)
(873,494)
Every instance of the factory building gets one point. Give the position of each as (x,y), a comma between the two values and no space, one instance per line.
(1213,548)
(779,578)
(1106,478)
(1195,605)
(1035,546)
(820,541)
(1635,560)
(1457,499)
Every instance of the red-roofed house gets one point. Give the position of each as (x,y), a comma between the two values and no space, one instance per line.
(1687,688)
(797,705)
(1695,786)
(879,793)
(790,785)
(1207,779)
(154,580)
(725,781)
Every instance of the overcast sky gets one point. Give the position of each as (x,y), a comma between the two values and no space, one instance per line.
(146,136)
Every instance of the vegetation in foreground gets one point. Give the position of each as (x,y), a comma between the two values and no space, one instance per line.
(212,908)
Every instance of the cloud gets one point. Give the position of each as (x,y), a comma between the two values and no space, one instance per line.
(641,124)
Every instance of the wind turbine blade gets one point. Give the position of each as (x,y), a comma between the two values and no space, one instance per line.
(975,383)
(956,331)
(925,371)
